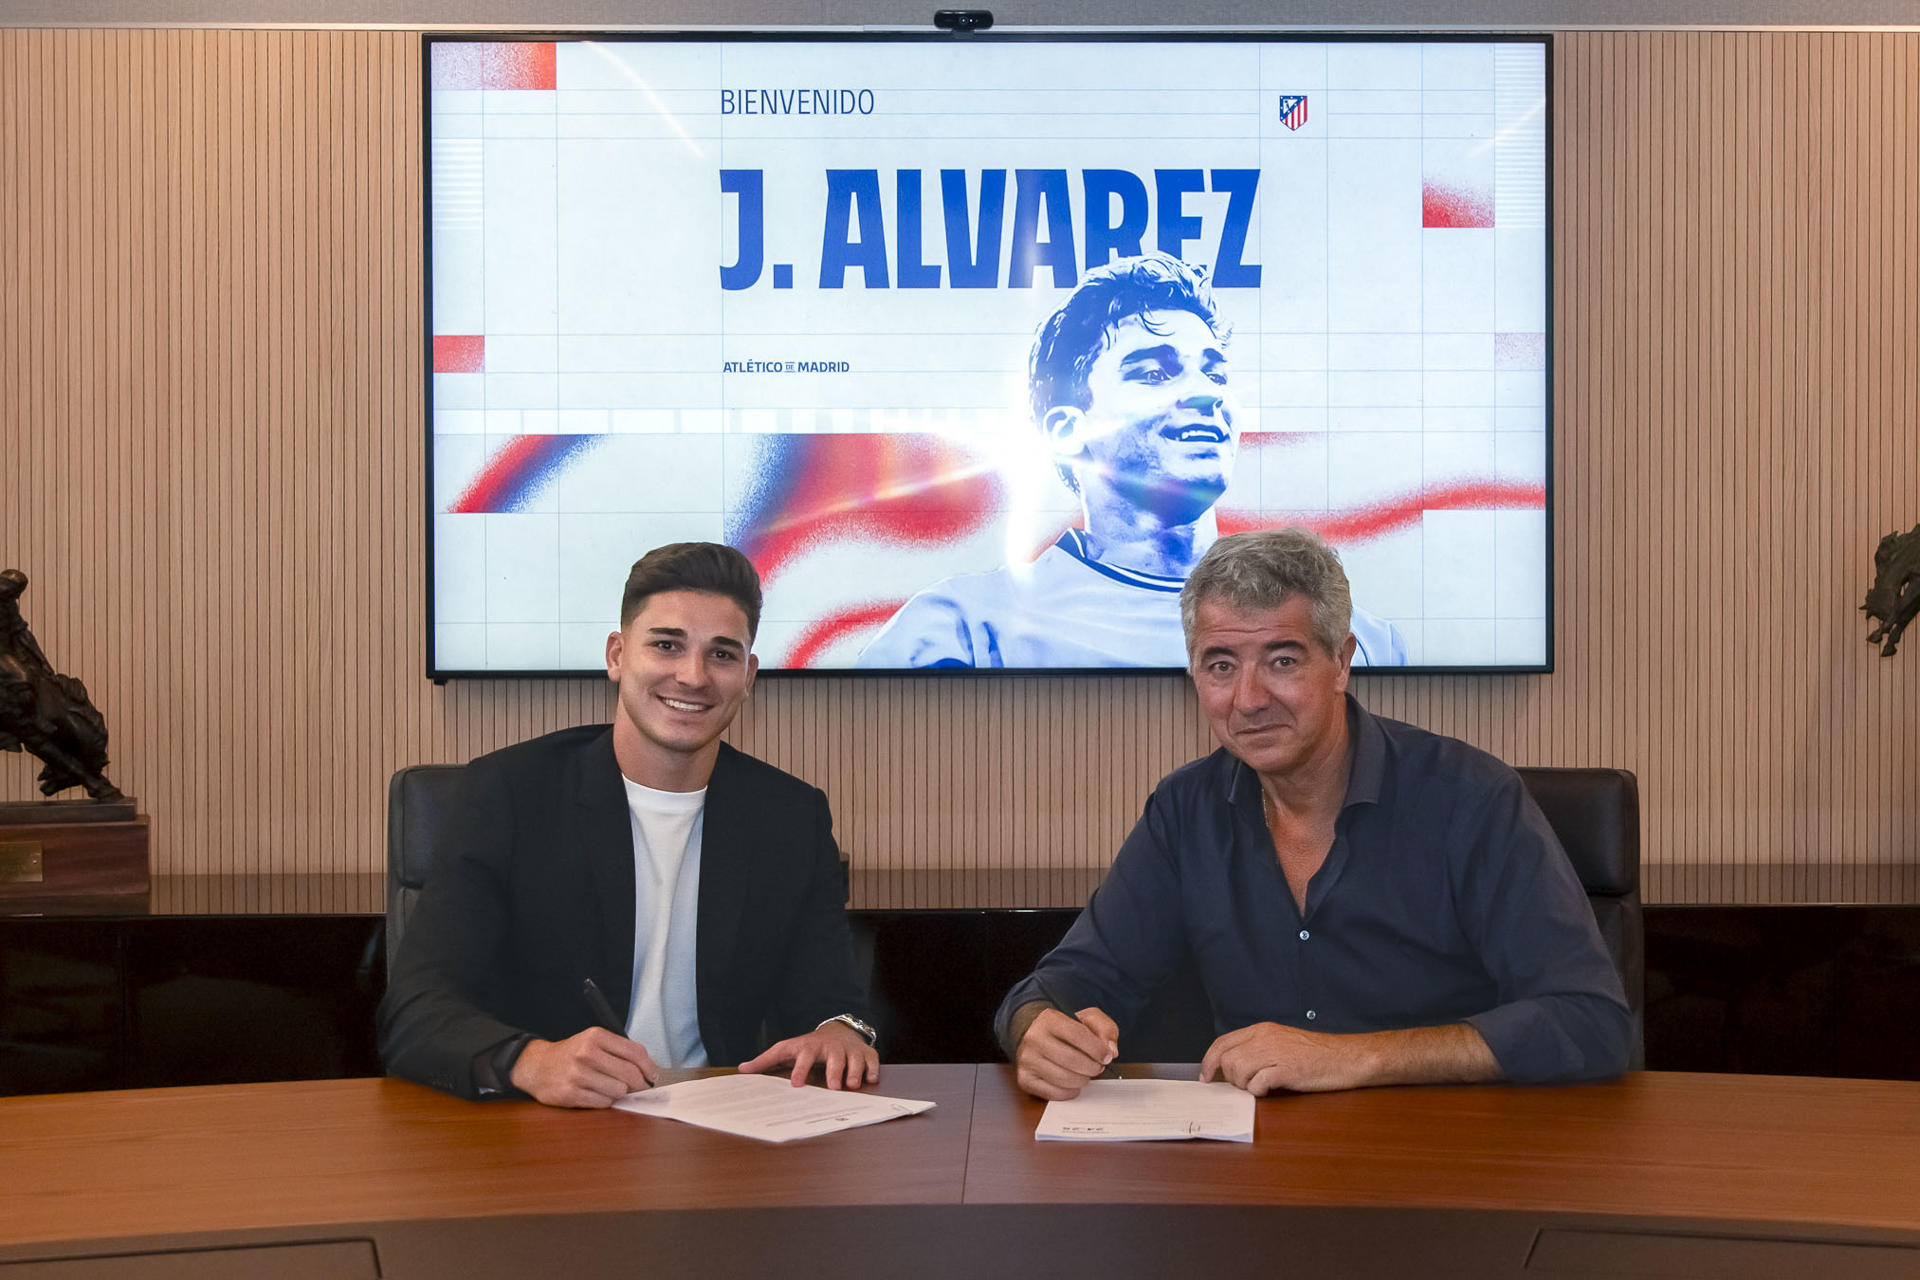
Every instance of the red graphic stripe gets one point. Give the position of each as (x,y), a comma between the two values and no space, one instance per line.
(904,490)
(1263,439)
(459,353)
(1444,206)
(825,632)
(515,64)
(522,65)
(1361,523)
(512,472)
(898,522)
(1356,525)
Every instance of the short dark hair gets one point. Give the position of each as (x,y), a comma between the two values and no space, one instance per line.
(712,567)
(1073,337)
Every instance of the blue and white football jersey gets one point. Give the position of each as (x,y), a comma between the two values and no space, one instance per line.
(1064,610)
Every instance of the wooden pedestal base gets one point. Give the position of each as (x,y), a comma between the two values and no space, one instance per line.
(63,859)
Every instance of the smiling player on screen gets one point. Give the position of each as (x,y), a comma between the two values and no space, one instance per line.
(1130,383)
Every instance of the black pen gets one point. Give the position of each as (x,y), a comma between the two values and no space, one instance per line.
(602,1011)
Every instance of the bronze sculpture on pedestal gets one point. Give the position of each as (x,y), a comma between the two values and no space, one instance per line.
(1894,597)
(44,711)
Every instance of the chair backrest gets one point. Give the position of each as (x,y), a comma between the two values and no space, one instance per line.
(420,806)
(1596,814)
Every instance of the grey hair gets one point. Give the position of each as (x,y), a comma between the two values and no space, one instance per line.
(1261,570)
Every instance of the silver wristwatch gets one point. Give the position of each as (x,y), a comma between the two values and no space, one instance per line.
(864,1029)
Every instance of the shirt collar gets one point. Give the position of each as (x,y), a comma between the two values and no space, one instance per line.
(1365,780)
(1074,543)
(1368,776)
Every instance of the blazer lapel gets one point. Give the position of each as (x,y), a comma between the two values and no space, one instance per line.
(726,848)
(604,830)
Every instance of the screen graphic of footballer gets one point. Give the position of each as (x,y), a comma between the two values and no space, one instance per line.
(1130,383)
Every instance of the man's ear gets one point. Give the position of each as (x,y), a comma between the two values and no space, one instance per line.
(1345,657)
(1066,428)
(616,646)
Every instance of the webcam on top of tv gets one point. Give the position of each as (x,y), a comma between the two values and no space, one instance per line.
(963,19)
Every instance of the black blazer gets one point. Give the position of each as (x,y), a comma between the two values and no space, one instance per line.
(536,896)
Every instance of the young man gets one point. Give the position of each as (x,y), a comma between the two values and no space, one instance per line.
(699,889)
(1129,382)
(1368,903)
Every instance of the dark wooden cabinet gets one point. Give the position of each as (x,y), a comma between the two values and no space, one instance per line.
(218,980)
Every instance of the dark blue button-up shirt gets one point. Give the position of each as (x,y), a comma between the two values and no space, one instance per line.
(1446,898)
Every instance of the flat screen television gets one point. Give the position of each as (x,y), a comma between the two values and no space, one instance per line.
(974,343)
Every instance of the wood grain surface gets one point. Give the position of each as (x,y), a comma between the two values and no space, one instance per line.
(1656,1144)
(1826,1154)
(249,1156)
(82,858)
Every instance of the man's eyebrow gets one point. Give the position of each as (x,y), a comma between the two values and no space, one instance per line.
(680,633)
(1270,646)
(1163,352)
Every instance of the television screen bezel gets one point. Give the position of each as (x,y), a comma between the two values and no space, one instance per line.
(1061,35)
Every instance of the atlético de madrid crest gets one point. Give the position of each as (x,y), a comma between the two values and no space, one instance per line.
(1293,109)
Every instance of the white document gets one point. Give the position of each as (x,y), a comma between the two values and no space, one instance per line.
(767,1107)
(1150,1111)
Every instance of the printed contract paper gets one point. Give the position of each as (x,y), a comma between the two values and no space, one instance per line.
(1149,1111)
(767,1107)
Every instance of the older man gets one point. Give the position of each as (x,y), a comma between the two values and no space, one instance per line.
(1368,903)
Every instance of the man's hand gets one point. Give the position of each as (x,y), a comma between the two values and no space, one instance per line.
(596,1068)
(849,1060)
(1267,1056)
(1058,1054)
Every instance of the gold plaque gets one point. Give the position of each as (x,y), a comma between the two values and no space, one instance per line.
(20,862)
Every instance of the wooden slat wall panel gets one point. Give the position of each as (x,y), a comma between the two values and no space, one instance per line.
(210,393)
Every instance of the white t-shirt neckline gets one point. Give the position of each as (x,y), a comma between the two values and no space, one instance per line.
(665,1015)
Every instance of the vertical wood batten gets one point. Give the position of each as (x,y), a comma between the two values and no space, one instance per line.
(210,366)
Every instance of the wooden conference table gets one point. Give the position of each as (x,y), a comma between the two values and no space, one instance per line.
(1659,1175)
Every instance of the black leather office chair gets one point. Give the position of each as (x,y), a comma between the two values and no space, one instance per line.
(1596,815)
(420,805)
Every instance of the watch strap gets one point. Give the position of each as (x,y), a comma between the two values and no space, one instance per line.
(493,1068)
(866,1030)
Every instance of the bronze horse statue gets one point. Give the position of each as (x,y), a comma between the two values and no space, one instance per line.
(45,712)
(1894,597)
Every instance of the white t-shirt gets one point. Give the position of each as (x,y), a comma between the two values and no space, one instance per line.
(665,1013)
(1065,610)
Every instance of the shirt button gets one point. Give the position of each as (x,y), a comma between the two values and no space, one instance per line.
(1304,935)
(1311,1015)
